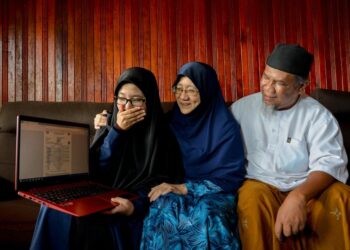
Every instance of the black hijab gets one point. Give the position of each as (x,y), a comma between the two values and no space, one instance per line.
(149,153)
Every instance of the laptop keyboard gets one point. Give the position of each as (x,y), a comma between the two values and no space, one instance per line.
(72,193)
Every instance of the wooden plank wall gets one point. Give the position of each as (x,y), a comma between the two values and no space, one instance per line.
(63,50)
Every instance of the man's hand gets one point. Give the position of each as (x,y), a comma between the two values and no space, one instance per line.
(291,216)
(127,118)
(166,188)
(122,206)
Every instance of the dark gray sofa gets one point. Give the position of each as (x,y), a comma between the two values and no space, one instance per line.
(17,216)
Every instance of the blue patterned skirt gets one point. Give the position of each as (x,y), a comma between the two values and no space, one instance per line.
(189,222)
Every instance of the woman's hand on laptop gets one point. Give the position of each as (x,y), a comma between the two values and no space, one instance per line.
(122,206)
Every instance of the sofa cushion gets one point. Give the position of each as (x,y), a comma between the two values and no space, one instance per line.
(18,218)
(7,165)
(83,112)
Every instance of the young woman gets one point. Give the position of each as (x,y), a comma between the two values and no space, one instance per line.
(134,152)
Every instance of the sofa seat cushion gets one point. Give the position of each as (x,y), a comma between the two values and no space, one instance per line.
(17,221)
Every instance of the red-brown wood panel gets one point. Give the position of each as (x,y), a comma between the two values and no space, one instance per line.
(59,45)
(64,62)
(109,52)
(24,58)
(282,21)
(332,44)
(127,35)
(184,15)
(244,29)
(145,37)
(70,50)
(51,50)
(116,43)
(45,50)
(253,48)
(290,21)
(134,15)
(226,78)
(237,65)
(248,49)
(2,50)
(85,29)
(121,32)
(345,20)
(77,49)
(262,37)
(306,36)
(164,52)
(190,29)
(232,27)
(61,50)
(208,31)
(275,7)
(31,50)
(218,55)
(173,50)
(328,45)
(141,9)
(18,51)
(339,53)
(199,22)
(154,37)
(178,31)
(90,73)
(11,74)
(103,50)
(319,51)
(38,50)
(97,51)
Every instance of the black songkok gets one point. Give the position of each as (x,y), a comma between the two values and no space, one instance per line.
(291,58)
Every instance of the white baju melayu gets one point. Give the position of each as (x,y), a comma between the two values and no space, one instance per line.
(283,147)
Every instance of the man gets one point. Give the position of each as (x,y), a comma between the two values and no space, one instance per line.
(294,196)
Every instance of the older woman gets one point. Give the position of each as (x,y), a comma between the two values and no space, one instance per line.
(199,213)
(134,152)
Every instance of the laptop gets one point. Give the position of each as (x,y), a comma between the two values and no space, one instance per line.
(52,159)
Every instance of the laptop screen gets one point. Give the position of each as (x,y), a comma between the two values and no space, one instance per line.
(49,150)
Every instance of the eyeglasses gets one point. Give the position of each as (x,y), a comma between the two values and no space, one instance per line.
(136,101)
(189,91)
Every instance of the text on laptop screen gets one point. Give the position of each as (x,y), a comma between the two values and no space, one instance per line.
(47,150)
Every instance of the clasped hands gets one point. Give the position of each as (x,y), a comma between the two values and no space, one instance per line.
(291,216)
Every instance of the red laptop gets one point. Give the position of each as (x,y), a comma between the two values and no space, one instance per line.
(52,167)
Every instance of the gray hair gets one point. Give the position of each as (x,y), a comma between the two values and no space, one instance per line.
(301,80)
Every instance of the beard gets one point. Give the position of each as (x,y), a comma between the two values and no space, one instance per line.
(268,109)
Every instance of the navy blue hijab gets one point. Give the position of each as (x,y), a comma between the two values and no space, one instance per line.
(209,137)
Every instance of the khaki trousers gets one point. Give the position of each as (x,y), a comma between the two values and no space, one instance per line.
(327,223)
